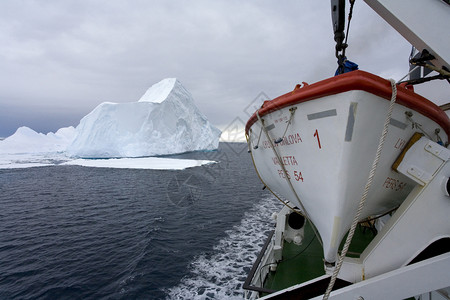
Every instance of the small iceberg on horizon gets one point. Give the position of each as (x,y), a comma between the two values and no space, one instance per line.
(26,140)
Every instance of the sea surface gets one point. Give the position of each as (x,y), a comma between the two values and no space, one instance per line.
(71,232)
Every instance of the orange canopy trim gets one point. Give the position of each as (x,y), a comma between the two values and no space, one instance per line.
(355,80)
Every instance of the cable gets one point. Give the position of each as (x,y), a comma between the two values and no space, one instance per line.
(287,177)
(350,14)
(273,193)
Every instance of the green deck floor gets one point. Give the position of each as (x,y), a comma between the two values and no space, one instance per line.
(305,262)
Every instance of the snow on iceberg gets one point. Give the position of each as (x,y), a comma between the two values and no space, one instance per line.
(152,163)
(26,140)
(26,148)
(164,121)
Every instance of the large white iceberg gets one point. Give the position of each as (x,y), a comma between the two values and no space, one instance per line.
(164,121)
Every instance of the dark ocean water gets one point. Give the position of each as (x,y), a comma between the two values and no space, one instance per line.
(69,232)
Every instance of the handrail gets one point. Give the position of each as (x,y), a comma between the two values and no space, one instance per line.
(247,284)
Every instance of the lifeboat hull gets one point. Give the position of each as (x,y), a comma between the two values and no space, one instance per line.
(329,135)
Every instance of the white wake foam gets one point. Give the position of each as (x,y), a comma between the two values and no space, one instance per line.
(222,274)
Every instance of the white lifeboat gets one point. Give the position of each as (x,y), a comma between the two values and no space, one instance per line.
(320,141)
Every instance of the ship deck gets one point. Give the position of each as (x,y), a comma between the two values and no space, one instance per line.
(301,263)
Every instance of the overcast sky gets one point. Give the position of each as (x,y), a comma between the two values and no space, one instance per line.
(59,59)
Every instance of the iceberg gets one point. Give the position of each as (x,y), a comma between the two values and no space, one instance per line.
(164,121)
(26,140)
(27,148)
(149,163)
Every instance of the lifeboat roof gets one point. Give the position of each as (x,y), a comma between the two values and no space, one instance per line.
(355,80)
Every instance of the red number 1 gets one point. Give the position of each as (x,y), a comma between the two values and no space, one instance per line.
(318,139)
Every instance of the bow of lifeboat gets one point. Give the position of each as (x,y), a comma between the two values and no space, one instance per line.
(319,142)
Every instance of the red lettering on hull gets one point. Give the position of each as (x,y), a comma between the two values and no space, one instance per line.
(285,160)
(287,140)
(394,184)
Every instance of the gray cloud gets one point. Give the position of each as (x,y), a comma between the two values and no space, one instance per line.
(66,57)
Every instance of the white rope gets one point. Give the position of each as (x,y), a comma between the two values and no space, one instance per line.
(365,193)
